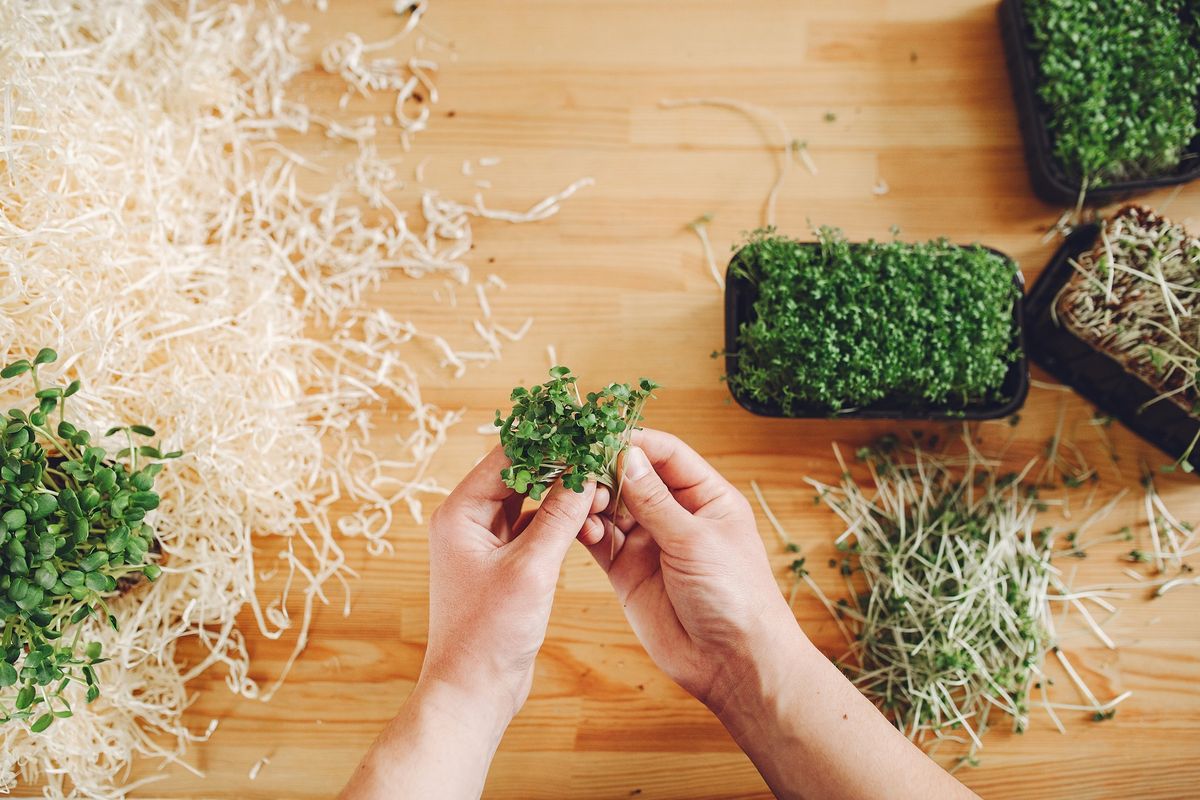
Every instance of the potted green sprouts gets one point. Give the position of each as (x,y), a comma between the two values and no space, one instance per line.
(875,330)
(1116,315)
(1107,94)
(73,534)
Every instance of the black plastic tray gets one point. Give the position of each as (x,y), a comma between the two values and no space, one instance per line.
(1050,181)
(740,295)
(1095,375)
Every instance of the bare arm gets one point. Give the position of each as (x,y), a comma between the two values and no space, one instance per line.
(811,734)
(697,588)
(492,574)
(439,745)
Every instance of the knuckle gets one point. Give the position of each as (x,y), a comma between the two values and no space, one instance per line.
(670,440)
(532,573)
(564,508)
(657,496)
(593,531)
(741,505)
(556,512)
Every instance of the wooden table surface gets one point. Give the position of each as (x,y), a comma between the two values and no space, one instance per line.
(561,89)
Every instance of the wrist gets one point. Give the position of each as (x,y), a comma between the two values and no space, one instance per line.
(759,672)
(480,714)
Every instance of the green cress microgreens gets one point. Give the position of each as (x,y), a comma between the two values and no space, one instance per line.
(838,326)
(1135,295)
(72,533)
(1121,80)
(552,432)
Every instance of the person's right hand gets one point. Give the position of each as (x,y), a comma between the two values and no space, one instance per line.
(690,568)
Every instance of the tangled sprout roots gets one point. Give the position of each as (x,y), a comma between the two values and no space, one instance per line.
(950,585)
(155,232)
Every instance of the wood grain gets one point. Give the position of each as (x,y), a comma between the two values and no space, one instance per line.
(560,89)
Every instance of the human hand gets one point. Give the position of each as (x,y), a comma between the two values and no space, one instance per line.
(493,571)
(690,568)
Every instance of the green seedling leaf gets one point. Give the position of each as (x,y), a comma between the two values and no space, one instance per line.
(552,432)
(14,369)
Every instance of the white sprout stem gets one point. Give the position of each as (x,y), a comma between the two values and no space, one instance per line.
(1175,583)
(756,114)
(1091,623)
(770,515)
(1078,681)
(699,226)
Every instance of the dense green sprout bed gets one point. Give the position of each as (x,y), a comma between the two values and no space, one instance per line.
(838,326)
(1121,80)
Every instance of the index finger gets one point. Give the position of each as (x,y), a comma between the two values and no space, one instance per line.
(480,496)
(692,480)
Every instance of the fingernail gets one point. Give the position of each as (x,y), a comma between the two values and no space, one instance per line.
(636,463)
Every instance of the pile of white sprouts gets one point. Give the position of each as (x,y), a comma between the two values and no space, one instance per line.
(158,233)
(950,590)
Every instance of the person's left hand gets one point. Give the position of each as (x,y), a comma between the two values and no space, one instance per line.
(493,571)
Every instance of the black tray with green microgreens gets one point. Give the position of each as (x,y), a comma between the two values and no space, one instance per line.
(874,330)
(552,431)
(1117,335)
(1107,94)
(73,534)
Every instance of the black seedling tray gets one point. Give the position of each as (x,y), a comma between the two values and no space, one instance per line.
(1050,181)
(1098,377)
(740,295)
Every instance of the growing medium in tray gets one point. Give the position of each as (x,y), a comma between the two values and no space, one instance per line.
(1135,295)
(837,326)
(1120,80)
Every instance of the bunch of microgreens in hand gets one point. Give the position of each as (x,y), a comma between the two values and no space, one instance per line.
(1136,296)
(1121,82)
(553,432)
(72,533)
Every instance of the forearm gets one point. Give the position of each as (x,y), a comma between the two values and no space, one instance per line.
(813,735)
(439,745)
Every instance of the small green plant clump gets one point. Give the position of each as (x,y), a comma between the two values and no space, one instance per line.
(72,535)
(553,432)
(838,326)
(1121,80)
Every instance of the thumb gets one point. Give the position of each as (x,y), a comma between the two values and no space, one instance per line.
(559,519)
(648,500)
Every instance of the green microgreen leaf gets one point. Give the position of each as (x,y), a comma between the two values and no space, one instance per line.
(1120,82)
(72,524)
(553,432)
(838,326)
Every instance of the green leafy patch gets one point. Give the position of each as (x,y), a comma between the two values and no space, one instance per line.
(838,326)
(1121,80)
(72,532)
(552,431)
